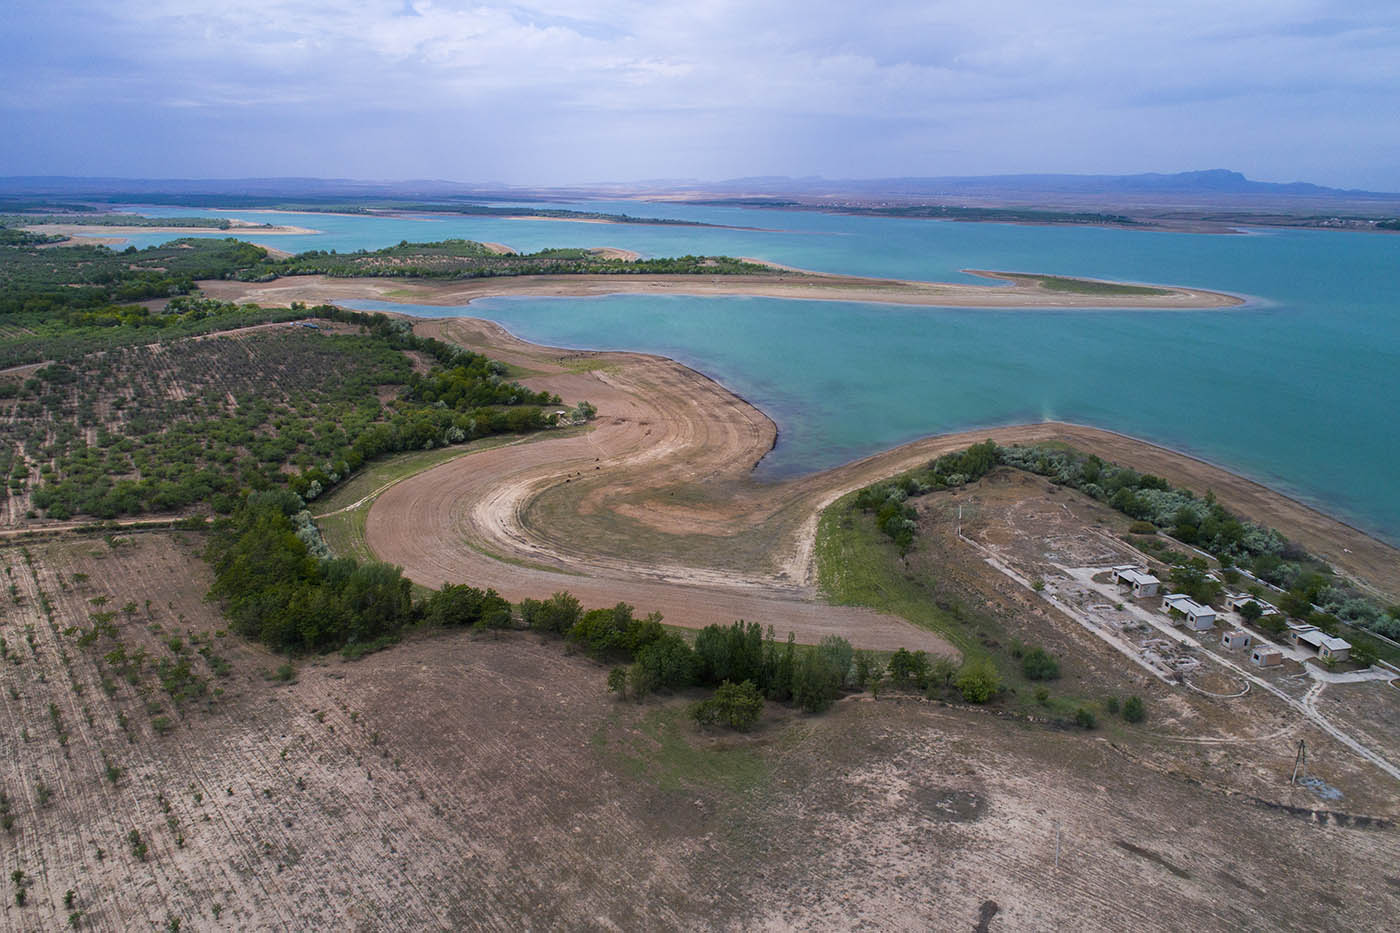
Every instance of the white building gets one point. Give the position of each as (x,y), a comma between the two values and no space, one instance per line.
(1328,647)
(1142,582)
(1234,601)
(1236,638)
(1199,618)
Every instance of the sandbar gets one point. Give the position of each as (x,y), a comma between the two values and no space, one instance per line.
(1023,292)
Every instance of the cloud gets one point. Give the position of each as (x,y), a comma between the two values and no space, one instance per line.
(566,90)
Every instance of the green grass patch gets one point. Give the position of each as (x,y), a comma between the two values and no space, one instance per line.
(859,566)
(662,751)
(1057,283)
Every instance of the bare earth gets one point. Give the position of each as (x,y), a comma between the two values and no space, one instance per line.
(656,504)
(1021,293)
(492,783)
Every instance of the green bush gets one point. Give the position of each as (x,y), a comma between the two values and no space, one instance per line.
(1038,664)
(1142,528)
(1085,719)
(457,605)
(737,706)
(556,615)
(816,681)
(978,681)
(910,668)
(1134,710)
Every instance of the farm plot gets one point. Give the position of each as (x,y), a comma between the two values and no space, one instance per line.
(160,427)
(492,782)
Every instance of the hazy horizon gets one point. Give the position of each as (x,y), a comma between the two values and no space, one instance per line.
(567,93)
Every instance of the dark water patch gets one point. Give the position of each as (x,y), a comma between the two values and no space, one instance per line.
(985,913)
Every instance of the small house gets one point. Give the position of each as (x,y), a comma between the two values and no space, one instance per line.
(1198,618)
(1265,656)
(1328,647)
(1142,582)
(1236,638)
(1236,601)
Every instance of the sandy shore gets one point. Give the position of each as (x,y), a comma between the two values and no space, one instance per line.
(1022,293)
(94,234)
(656,505)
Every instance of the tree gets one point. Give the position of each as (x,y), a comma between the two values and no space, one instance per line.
(667,663)
(816,681)
(737,706)
(732,652)
(1039,664)
(910,668)
(865,668)
(617,681)
(978,681)
(1251,611)
(457,605)
(555,615)
(1134,710)
(1084,718)
(839,655)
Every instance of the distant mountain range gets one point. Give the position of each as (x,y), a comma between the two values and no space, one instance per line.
(1204,185)
(1213,181)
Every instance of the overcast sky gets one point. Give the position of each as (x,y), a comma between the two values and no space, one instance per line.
(568,91)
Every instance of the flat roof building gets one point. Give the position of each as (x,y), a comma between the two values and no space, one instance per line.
(1236,638)
(1142,582)
(1329,647)
(1265,656)
(1198,617)
(1234,601)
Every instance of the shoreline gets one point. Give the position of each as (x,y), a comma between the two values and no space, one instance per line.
(1024,292)
(658,505)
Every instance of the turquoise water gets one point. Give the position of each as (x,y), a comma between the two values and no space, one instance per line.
(1298,390)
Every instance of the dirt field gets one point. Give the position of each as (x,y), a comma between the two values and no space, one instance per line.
(1022,292)
(491,783)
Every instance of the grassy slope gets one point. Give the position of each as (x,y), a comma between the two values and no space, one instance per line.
(859,566)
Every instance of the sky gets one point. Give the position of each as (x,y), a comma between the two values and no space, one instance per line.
(576,91)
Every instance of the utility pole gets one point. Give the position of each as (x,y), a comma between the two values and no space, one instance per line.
(1300,762)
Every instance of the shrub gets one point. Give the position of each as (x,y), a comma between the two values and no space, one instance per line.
(1142,528)
(1038,664)
(600,632)
(730,652)
(557,614)
(459,605)
(617,681)
(978,681)
(666,663)
(1084,718)
(839,655)
(737,706)
(910,668)
(816,681)
(1134,710)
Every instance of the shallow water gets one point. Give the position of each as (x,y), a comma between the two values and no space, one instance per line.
(1298,390)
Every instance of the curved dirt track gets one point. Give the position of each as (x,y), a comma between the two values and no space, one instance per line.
(655,505)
